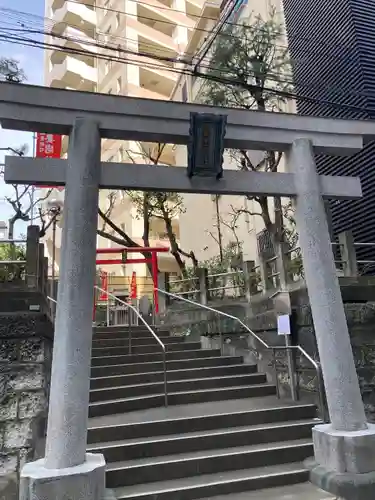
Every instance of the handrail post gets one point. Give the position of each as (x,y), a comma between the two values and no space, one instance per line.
(321,391)
(348,254)
(248,272)
(263,269)
(130,333)
(291,369)
(220,336)
(32,257)
(108,315)
(202,274)
(276,374)
(282,265)
(165,378)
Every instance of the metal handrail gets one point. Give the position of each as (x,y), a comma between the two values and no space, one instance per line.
(134,309)
(315,364)
(12,241)
(11,262)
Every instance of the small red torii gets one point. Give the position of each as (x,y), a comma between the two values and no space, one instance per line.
(143,260)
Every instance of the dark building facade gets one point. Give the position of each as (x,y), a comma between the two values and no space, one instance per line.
(332,45)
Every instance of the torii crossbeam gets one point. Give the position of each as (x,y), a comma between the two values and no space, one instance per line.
(89,117)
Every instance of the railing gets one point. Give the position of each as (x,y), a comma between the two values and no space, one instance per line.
(119,315)
(53,307)
(140,317)
(266,274)
(138,314)
(315,364)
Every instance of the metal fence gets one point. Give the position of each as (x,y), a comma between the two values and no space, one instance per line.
(271,272)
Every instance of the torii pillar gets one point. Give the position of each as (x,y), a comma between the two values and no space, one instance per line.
(67,471)
(345,448)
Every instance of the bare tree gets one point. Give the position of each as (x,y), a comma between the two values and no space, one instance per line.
(11,71)
(149,206)
(24,203)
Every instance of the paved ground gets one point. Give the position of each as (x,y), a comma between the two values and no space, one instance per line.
(304,491)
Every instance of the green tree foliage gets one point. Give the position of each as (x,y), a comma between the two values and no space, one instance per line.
(9,252)
(253,56)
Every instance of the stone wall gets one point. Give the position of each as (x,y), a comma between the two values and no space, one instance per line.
(25,360)
(260,317)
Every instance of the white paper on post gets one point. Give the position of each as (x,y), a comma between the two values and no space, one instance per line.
(283,325)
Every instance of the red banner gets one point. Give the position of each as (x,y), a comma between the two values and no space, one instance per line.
(103,286)
(133,286)
(48,146)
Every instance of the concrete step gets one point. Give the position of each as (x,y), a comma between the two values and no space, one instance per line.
(152,401)
(123,350)
(305,491)
(194,384)
(141,331)
(117,451)
(208,485)
(158,376)
(124,369)
(148,470)
(145,358)
(152,426)
(110,341)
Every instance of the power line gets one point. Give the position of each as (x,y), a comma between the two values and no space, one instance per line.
(199,16)
(41,22)
(214,36)
(286,79)
(52,22)
(204,76)
(228,73)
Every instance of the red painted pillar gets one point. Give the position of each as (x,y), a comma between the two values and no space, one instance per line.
(154,267)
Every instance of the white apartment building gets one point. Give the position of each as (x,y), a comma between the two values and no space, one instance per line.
(139,32)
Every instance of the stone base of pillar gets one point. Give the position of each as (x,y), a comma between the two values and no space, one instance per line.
(83,482)
(344,463)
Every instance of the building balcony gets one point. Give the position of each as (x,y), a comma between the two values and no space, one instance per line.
(73,73)
(152,39)
(75,14)
(72,38)
(57,4)
(143,93)
(154,13)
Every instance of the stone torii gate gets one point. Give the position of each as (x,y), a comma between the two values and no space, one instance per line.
(347,445)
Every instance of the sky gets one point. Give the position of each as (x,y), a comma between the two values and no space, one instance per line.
(31,60)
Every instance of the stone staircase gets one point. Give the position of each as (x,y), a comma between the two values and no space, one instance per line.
(223,433)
